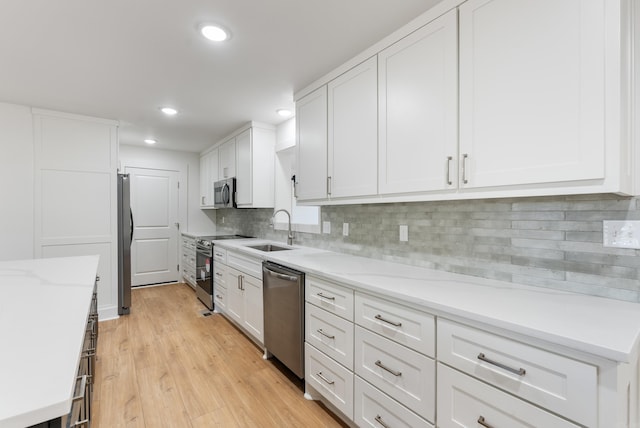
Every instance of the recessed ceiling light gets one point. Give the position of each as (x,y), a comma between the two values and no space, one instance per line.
(284,112)
(150,141)
(169,111)
(214,32)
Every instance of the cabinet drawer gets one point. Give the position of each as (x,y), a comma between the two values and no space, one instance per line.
(463,400)
(219,274)
(330,297)
(560,384)
(400,372)
(219,254)
(330,334)
(330,379)
(245,264)
(399,323)
(373,408)
(220,299)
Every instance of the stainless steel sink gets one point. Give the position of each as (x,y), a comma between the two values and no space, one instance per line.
(268,247)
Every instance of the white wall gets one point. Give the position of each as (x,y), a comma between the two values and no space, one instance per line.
(17,178)
(192,218)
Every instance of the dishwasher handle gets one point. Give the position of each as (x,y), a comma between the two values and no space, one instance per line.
(280,275)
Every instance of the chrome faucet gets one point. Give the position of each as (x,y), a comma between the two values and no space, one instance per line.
(290,236)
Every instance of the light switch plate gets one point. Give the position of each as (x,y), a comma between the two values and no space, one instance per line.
(404,233)
(326,227)
(345,229)
(621,234)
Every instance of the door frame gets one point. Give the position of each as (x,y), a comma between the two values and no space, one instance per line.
(182,168)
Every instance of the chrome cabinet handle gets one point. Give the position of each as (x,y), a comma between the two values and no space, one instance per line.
(393,323)
(321,376)
(325,334)
(464,168)
(449,159)
(241,282)
(483,423)
(218,274)
(519,372)
(328,185)
(218,296)
(219,254)
(396,373)
(325,297)
(379,420)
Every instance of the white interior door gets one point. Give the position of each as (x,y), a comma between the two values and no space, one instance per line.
(154,202)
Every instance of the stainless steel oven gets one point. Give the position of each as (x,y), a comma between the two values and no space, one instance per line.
(204,267)
(204,284)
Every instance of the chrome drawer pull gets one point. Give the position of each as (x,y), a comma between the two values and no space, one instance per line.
(325,297)
(325,334)
(519,372)
(483,423)
(218,274)
(321,376)
(383,367)
(393,323)
(379,420)
(449,159)
(218,296)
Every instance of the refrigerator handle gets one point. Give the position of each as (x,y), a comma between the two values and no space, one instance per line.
(131,216)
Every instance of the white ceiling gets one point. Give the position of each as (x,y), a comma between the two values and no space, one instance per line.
(123,59)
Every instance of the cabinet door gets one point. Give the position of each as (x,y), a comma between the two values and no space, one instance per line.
(204,180)
(253,312)
(353,132)
(208,174)
(418,110)
(311,136)
(235,297)
(227,159)
(532,104)
(244,168)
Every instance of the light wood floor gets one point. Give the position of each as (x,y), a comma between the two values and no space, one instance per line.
(165,365)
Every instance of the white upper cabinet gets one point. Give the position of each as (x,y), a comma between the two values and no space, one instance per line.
(417,90)
(227,159)
(532,91)
(208,175)
(491,98)
(311,137)
(255,167)
(353,132)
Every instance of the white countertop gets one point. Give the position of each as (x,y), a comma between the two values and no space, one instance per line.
(44,304)
(603,327)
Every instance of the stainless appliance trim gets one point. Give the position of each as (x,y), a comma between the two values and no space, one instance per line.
(125,238)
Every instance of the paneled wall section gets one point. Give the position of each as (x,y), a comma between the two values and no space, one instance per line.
(553,242)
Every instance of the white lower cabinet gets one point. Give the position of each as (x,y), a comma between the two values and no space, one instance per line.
(189,260)
(466,402)
(382,363)
(373,408)
(330,334)
(243,293)
(400,372)
(330,379)
(555,382)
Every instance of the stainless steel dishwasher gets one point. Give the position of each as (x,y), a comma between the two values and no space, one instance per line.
(283,296)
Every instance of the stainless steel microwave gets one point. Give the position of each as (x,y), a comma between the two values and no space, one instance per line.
(224,193)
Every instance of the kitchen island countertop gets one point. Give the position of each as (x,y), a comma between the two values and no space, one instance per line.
(44,304)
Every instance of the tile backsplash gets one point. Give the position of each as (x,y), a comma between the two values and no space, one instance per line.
(553,242)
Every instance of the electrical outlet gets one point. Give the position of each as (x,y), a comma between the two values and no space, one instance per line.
(345,229)
(404,233)
(326,227)
(621,234)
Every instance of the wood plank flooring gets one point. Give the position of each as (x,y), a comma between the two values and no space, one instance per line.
(165,365)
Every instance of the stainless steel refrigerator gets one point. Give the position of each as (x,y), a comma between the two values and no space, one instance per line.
(125,236)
